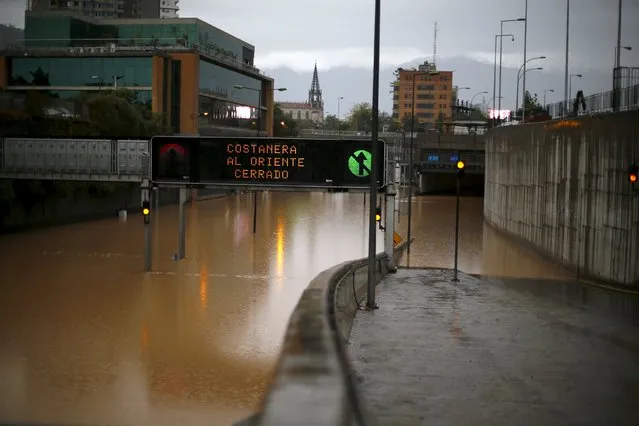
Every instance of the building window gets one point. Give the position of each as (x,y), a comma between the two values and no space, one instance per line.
(299,115)
(79,72)
(425,87)
(307,115)
(425,106)
(219,82)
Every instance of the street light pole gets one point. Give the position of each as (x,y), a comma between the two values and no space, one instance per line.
(523,66)
(497,36)
(523,95)
(566,89)
(338,119)
(518,77)
(618,60)
(501,45)
(523,90)
(473,98)
(546,91)
(372,231)
(570,83)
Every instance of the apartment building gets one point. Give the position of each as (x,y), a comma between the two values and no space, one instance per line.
(111,9)
(433,96)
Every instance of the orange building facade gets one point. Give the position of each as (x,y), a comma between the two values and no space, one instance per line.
(433,91)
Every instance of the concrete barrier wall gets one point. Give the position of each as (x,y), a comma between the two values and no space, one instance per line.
(313,383)
(563,187)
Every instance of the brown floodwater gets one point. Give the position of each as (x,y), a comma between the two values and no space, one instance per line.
(87,338)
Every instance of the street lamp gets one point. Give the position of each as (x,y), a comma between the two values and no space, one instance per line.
(96,77)
(410,154)
(115,81)
(457,89)
(495,97)
(259,124)
(338,123)
(476,94)
(570,83)
(618,56)
(501,44)
(546,91)
(523,94)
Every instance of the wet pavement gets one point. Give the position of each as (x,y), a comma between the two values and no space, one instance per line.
(480,353)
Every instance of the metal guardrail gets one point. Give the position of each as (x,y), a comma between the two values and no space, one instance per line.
(351,134)
(628,99)
(92,160)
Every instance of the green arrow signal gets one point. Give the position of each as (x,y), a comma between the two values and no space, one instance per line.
(360,163)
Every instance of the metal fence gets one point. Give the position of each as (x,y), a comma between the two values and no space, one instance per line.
(628,100)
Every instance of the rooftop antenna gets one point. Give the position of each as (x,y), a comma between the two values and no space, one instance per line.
(435,46)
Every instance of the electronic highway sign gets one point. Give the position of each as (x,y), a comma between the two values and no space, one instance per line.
(269,162)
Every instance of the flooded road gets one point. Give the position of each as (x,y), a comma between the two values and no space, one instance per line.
(482,250)
(87,338)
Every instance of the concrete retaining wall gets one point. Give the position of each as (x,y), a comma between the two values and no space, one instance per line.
(563,187)
(313,383)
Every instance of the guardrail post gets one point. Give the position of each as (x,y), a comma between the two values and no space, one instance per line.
(390,226)
(182,225)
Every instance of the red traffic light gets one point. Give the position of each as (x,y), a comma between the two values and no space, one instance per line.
(633,173)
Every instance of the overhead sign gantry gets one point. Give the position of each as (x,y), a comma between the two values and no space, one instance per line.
(264,162)
(256,163)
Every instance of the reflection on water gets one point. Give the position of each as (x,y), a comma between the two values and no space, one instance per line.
(481,249)
(87,338)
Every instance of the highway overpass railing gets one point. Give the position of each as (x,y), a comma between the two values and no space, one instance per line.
(102,160)
(626,99)
(314,383)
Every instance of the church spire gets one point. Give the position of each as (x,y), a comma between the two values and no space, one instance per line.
(315,94)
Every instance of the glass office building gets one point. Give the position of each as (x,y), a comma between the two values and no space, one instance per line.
(183,67)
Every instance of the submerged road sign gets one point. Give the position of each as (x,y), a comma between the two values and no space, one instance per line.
(269,162)
(396,239)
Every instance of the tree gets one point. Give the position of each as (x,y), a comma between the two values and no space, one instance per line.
(283,125)
(331,122)
(114,115)
(533,107)
(361,117)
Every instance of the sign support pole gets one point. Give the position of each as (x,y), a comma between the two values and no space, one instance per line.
(372,243)
(148,247)
(390,226)
(455,279)
(182,225)
(254,211)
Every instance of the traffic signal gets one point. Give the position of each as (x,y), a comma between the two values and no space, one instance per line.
(146,211)
(461,168)
(378,214)
(633,174)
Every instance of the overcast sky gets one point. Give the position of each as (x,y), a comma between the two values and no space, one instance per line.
(296,33)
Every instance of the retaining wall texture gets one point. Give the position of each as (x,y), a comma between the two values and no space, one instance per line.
(563,187)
